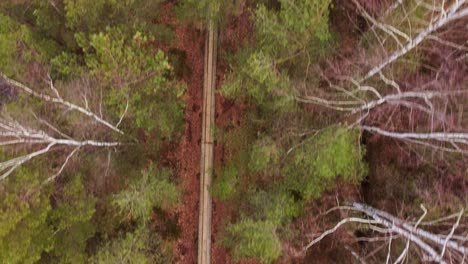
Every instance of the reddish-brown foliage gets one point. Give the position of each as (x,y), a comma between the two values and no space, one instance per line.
(186,154)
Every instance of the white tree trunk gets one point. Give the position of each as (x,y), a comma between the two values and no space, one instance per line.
(454,12)
(13,133)
(60,101)
(428,242)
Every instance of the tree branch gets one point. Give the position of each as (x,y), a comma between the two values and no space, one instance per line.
(60,101)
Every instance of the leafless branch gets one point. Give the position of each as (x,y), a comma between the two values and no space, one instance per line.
(52,178)
(397,228)
(58,100)
(13,133)
(454,11)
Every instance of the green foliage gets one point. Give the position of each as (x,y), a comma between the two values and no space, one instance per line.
(203,10)
(71,219)
(284,37)
(264,154)
(121,60)
(255,239)
(154,189)
(57,22)
(334,152)
(134,247)
(126,249)
(113,51)
(31,228)
(130,71)
(259,79)
(283,208)
(50,31)
(95,15)
(65,66)
(103,44)
(295,26)
(272,204)
(13,35)
(7,42)
(262,217)
(77,10)
(224,185)
(24,232)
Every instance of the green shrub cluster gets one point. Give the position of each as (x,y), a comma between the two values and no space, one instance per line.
(153,189)
(31,228)
(225,183)
(317,164)
(255,239)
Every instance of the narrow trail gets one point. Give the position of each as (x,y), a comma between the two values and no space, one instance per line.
(206,165)
(185,155)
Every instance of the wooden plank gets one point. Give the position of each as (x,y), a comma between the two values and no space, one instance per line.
(206,166)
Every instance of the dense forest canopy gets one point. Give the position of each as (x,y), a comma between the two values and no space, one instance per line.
(341,132)
(86,101)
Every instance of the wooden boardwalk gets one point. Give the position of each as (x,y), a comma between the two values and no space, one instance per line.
(206,166)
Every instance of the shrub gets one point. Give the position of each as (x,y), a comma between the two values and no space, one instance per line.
(153,189)
(24,232)
(224,185)
(264,154)
(336,151)
(71,219)
(255,239)
(130,71)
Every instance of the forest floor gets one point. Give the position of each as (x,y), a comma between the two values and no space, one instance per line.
(185,154)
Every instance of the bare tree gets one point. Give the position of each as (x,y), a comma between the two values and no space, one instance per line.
(433,246)
(380,91)
(57,99)
(430,101)
(37,141)
(13,133)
